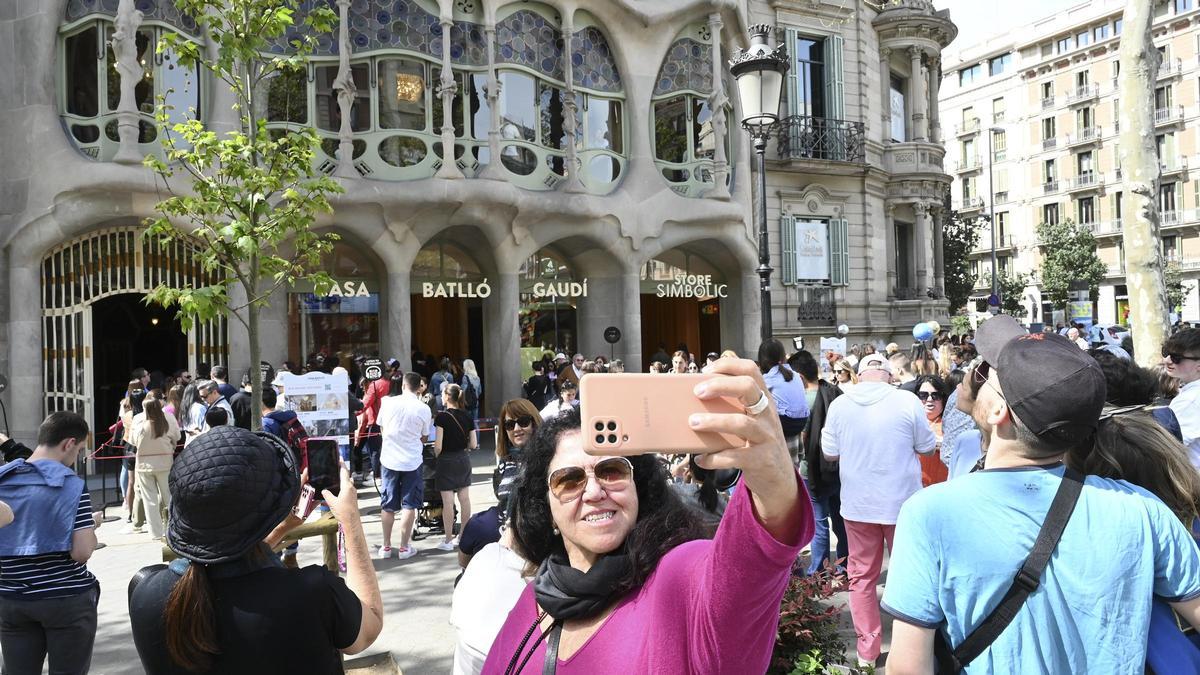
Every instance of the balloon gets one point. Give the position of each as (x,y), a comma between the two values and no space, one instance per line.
(935,327)
(843,330)
(922,331)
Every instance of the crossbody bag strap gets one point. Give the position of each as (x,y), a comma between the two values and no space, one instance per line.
(1028,576)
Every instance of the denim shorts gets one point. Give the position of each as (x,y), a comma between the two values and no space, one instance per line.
(401,489)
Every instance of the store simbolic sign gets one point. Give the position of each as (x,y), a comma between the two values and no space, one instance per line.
(692,286)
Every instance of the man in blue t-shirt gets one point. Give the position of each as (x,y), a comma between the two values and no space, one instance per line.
(959,544)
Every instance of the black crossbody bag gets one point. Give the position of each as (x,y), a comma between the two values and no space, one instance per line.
(953,661)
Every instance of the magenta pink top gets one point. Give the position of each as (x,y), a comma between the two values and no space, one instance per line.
(709,607)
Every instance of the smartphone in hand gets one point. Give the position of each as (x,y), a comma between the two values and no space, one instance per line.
(308,500)
(637,413)
(324,469)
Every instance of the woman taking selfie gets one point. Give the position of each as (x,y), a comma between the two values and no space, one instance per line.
(455,436)
(624,581)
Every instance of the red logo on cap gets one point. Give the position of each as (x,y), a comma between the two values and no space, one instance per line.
(1033,336)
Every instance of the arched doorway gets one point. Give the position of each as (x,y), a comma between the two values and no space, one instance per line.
(92,312)
(681,304)
(447,307)
(346,321)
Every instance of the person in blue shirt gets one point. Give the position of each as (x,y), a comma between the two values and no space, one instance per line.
(960,543)
(787,388)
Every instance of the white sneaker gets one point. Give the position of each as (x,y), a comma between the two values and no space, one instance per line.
(405,553)
(446,546)
(130,529)
(382,553)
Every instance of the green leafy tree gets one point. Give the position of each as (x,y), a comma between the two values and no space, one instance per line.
(1177,288)
(1012,290)
(245,199)
(960,236)
(1068,254)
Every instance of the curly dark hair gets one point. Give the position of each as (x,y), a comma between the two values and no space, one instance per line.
(1128,383)
(663,522)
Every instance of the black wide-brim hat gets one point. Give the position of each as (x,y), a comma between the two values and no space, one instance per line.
(229,489)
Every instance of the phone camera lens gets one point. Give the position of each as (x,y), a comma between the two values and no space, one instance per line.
(599,439)
(612,438)
(612,426)
(599,426)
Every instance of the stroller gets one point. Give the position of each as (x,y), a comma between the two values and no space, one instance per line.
(429,516)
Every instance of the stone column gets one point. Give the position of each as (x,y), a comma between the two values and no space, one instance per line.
(397,322)
(935,85)
(26,342)
(630,347)
(889,227)
(447,88)
(124,45)
(916,94)
(238,337)
(923,244)
(885,76)
(717,103)
(939,260)
(570,105)
(502,346)
(346,91)
(492,171)
(272,329)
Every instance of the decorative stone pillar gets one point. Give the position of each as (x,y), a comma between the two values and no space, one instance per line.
(717,104)
(889,231)
(935,85)
(124,45)
(885,77)
(502,344)
(346,91)
(570,105)
(921,230)
(447,88)
(492,171)
(916,94)
(939,261)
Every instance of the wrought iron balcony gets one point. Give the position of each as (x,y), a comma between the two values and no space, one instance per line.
(1170,67)
(816,307)
(1168,115)
(1085,181)
(1083,93)
(1086,135)
(804,137)
(1049,143)
(1048,103)
(968,126)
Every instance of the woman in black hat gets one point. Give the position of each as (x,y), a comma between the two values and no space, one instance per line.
(228,605)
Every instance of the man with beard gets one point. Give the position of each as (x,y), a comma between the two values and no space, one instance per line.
(960,544)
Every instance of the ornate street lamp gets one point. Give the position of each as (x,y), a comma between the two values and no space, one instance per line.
(759,72)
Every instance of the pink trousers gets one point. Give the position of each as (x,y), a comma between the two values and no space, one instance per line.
(866,542)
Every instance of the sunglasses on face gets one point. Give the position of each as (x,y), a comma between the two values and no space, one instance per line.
(929,396)
(980,373)
(1179,358)
(523,421)
(569,482)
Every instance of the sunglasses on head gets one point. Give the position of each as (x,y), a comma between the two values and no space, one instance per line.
(929,395)
(979,374)
(1179,358)
(569,482)
(523,421)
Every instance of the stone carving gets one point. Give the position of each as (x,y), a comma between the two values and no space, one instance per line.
(124,45)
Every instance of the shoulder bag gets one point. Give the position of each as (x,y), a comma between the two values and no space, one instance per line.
(1026,582)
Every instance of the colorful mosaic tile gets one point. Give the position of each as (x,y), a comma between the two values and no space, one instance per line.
(592,63)
(153,10)
(528,39)
(688,65)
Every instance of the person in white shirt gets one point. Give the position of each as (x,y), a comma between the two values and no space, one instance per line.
(875,432)
(404,423)
(485,594)
(1181,358)
(567,399)
(1074,336)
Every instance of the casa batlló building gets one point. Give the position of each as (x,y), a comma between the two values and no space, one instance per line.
(585,170)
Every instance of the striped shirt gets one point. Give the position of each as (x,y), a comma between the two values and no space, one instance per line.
(49,575)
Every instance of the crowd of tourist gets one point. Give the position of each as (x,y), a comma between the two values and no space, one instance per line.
(971,460)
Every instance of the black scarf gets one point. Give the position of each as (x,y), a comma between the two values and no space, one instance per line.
(566,593)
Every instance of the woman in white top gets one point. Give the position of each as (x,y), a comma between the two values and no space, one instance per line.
(155,435)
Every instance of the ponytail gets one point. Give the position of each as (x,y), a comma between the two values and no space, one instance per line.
(190,621)
(454,393)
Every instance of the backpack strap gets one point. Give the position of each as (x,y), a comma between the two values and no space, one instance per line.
(1026,582)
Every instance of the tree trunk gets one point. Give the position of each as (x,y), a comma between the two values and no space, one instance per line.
(1139,161)
(257,384)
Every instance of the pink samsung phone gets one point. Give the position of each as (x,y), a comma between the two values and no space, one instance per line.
(637,413)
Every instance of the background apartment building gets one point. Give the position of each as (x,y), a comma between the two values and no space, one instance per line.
(1037,109)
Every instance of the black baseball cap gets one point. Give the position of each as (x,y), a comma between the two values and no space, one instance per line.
(1052,385)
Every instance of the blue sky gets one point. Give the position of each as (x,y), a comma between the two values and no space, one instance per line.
(979,19)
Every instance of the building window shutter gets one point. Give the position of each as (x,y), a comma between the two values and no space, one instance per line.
(835,106)
(787,238)
(839,252)
(792,92)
